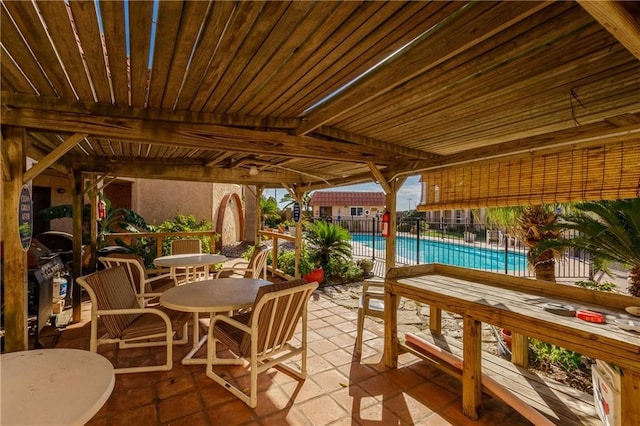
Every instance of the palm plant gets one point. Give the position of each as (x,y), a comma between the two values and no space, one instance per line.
(289,201)
(530,224)
(269,209)
(608,230)
(326,241)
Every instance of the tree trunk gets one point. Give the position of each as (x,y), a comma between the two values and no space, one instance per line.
(546,270)
(634,281)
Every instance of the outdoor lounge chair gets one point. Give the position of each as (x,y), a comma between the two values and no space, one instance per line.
(262,336)
(114,301)
(147,288)
(371,304)
(188,246)
(252,268)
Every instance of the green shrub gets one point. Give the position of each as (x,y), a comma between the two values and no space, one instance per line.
(340,271)
(182,223)
(547,354)
(595,285)
(287,262)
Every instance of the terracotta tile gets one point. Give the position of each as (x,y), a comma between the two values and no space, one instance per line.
(322,410)
(375,414)
(140,416)
(234,412)
(134,398)
(195,419)
(331,380)
(175,386)
(407,408)
(436,397)
(339,357)
(215,394)
(322,346)
(302,391)
(404,377)
(130,381)
(353,398)
(272,400)
(289,416)
(347,326)
(379,386)
(328,332)
(343,340)
(179,406)
(357,372)
(317,364)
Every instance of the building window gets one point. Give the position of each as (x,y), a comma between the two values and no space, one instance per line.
(357,211)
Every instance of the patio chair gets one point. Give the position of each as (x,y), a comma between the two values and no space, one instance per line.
(147,288)
(264,336)
(253,268)
(115,303)
(188,246)
(371,304)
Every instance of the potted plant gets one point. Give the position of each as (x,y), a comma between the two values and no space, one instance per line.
(366,265)
(327,240)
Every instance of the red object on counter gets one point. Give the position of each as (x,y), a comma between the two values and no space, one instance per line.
(590,316)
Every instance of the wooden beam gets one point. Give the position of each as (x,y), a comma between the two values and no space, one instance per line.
(444,41)
(172,170)
(219,158)
(374,143)
(38,154)
(53,156)
(621,22)
(52,104)
(196,136)
(15,258)
(77,192)
(382,181)
(6,165)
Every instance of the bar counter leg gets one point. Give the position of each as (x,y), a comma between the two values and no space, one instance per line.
(630,398)
(472,367)
(390,330)
(435,319)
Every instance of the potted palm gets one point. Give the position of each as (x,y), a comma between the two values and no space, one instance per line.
(325,241)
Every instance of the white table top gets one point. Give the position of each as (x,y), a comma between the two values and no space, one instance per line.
(219,295)
(193,259)
(53,386)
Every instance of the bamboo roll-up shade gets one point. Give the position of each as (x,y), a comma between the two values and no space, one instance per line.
(610,171)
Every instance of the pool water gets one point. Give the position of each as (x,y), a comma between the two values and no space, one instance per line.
(411,251)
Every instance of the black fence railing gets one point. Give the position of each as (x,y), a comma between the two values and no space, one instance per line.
(466,245)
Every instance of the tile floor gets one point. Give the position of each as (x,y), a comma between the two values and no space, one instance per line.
(339,389)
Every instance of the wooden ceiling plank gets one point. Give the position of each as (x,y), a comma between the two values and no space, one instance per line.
(12,78)
(499,53)
(86,22)
(26,18)
(282,61)
(13,43)
(140,19)
(283,31)
(219,158)
(56,17)
(398,28)
(428,51)
(52,157)
(618,20)
(206,52)
(194,135)
(315,45)
(251,45)
(322,77)
(115,41)
(169,18)
(241,20)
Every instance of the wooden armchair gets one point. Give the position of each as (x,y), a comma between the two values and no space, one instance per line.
(263,335)
(371,304)
(147,288)
(252,268)
(114,302)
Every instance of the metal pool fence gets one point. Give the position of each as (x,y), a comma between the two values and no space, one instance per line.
(468,245)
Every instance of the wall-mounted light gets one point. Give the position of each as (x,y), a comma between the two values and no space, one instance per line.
(253,170)
(61,190)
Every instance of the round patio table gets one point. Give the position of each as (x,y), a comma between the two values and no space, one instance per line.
(189,261)
(53,386)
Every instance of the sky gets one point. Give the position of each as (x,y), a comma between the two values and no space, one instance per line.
(407,198)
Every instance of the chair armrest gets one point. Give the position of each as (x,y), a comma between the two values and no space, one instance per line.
(243,270)
(229,320)
(159,277)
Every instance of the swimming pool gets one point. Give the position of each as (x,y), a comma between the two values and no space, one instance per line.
(411,251)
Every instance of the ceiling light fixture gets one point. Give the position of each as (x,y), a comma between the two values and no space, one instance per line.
(253,170)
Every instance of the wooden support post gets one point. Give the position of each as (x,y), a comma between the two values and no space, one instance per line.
(435,319)
(77,192)
(16,337)
(472,367)
(298,196)
(258,218)
(390,330)
(630,398)
(520,350)
(93,222)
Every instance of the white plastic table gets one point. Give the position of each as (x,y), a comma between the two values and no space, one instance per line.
(53,386)
(210,296)
(189,261)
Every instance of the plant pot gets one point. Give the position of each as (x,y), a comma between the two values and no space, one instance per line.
(506,336)
(315,275)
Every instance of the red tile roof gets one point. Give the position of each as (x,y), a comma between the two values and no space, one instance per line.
(331,198)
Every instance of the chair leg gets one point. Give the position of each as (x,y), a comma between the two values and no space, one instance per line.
(360,332)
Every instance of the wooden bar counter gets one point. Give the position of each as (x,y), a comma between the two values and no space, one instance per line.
(517,304)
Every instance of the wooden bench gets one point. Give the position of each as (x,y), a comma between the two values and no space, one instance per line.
(561,404)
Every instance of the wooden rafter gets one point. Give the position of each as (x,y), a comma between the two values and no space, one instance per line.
(621,22)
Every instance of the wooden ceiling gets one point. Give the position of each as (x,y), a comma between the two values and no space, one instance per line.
(314,94)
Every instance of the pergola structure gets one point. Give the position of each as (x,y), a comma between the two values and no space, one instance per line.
(303,95)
